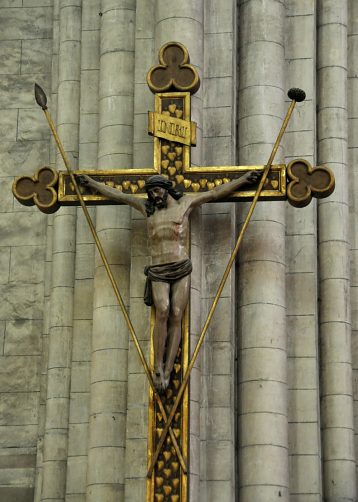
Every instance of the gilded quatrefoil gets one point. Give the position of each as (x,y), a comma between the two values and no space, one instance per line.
(174,73)
(38,189)
(308,182)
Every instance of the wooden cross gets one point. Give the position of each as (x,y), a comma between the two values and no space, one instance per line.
(173,81)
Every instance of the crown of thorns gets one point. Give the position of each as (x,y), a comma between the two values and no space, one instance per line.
(158,181)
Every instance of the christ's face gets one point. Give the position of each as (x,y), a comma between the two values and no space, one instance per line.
(159,196)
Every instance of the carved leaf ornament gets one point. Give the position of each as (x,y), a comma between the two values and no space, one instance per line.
(174,73)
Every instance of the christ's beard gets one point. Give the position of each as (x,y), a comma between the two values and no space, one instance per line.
(161,203)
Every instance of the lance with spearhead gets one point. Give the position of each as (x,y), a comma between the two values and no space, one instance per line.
(41,100)
(296,96)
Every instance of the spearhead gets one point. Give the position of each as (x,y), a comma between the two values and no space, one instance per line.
(40,96)
(296,94)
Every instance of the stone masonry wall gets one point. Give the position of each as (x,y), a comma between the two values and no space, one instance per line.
(25,56)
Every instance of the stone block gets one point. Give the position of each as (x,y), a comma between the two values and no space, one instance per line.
(213,269)
(137,422)
(220,454)
(23,157)
(81,341)
(83,299)
(304,438)
(220,391)
(302,334)
(23,337)
(300,253)
(15,436)
(17,493)
(6,195)
(108,467)
(137,390)
(303,405)
(2,336)
(76,475)
(217,233)
(263,364)
(78,437)
(262,429)
(10,51)
(109,365)
(302,294)
(5,265)
(220,490)
(220,425)
(118,32)
(218,55)
(79,408)
(218,150)
(32,126)
(110,331)
(306,473)
(36,57)
(135,489)
(27,264)
(298,46)
(85,261)
(8,124)
(264,465)
(19,408)
(21,301)
(302,373)
(80,376)
(266,492)
(263,396)
(114,83)
(108,398)
(136,458)
(20,373)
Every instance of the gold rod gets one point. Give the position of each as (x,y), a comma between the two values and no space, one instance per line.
(221,287)
(113,282)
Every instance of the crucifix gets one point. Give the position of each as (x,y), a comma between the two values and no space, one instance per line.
(165,194)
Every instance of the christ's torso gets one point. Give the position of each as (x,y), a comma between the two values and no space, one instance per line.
(168,232)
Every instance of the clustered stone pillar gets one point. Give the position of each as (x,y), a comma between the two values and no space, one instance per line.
(263,448)
(301,259)
(84,262)
(48,266)
(353,202)
(335,324)
(137,402)
(217,384)
(107,422)
(61,302)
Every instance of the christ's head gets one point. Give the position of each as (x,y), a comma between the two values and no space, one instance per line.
(158,189)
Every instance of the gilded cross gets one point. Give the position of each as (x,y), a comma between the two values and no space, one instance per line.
(173,82)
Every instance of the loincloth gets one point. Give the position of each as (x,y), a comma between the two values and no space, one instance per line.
(166,272)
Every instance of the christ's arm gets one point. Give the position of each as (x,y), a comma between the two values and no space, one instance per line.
(112,193)
(223,191)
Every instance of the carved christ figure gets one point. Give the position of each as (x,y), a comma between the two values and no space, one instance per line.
(168,277)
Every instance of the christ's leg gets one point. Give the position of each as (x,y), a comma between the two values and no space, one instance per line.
(179,300)
(161,291)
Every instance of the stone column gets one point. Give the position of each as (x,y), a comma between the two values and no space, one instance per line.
(184,22)
(262,455)
(217,391)
(107,425)
(335,323)
(61,302)
(84,264)
(353,202)
(48,265)
(137,403)
(301,283)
